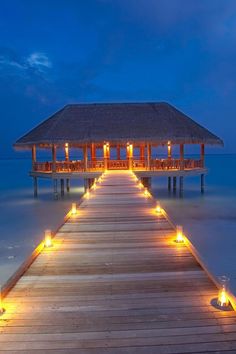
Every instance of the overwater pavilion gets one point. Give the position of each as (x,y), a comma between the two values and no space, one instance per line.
(117,136)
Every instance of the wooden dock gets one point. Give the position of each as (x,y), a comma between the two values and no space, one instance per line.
(115,282)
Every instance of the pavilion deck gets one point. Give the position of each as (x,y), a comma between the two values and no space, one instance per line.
(115,282)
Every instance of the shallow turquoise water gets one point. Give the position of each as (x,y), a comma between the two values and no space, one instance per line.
(209,220)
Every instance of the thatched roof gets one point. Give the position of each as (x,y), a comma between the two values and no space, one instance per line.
(156,123)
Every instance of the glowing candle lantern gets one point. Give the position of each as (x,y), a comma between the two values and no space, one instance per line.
(140,185)
(158,208)
(48,239)
(73,209)
(146,193)
(87,194)
(179,234)
(1,305)
(223,300)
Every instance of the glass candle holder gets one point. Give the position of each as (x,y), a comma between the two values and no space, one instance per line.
(1,305)
(179,234)
(158,208)
(223,300)
(48,238)
(73,209)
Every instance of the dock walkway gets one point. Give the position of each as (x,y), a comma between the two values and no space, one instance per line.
(115,282)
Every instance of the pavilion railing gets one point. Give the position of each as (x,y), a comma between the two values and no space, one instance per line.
(99,165)
(175,164)
(117,164)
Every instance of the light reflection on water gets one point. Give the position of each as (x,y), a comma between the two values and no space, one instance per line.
(23,219)
(209,219)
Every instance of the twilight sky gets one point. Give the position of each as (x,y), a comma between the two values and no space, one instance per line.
(54,52)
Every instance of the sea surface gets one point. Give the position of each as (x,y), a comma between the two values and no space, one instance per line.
(209,220)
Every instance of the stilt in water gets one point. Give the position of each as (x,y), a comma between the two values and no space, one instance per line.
(55,193)
(147,182)
(169,184)
(174,184)
(62,187)
(68,185)
(35,181)
(86,184)
(181,186)
(202,183)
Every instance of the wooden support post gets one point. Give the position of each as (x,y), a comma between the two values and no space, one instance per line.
(181,156)
(93,152)
(147,182)
(55,189)
(181,185)
(149,153)
(202,183)
(142,152)
(68,185)
(130,155)
(33,157)
(174,183)
(35,181)
(203,155)
(86,184)
(169,184)
(118,151)
(169,148)
(85,157)
(106,154)
(54,157)
(62,187)
(67,152)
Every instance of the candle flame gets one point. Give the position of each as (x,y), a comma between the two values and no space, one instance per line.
(223,298)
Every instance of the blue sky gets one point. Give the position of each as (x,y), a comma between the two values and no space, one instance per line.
(62,51)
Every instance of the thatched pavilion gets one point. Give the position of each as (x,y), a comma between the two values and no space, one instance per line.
(117,136)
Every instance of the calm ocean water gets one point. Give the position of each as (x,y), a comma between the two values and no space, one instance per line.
(209,220)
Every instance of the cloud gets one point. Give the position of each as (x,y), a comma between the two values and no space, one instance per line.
(38,60)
